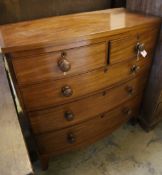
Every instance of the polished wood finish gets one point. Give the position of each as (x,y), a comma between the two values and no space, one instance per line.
(45,66)
(93,56)
(14,158)
(127,50)
(50,93)
(86,108)
(68,71)
(87,132)
(152,114)
(70,28)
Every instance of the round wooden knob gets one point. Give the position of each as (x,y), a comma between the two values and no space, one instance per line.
(67,91)
(127,111)
(130,90)
(135,69)
(63,64)
(71,138)
(69,116)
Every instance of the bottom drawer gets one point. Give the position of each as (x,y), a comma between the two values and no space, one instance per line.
(87,132)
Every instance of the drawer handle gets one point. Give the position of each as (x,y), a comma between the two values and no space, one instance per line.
(135,69)
(140,48)
(67,91)
(63,63)
(130,90)
(69,116)
(71,138)
(127,111)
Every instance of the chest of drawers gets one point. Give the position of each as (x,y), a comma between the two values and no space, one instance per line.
(79,77)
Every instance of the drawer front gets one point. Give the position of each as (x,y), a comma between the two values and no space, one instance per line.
(58,92)
(124,48)
(86,108)
(87,132)
(57,65)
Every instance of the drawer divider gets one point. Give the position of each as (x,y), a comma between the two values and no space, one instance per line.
(108,53)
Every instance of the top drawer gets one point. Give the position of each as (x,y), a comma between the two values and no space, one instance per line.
(57,65)
(125,47)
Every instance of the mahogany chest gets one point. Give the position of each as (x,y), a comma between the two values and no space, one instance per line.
(79,77)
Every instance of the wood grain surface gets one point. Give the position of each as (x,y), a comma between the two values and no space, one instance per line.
(48,94)
(54,118)
(70,28)
(40,67)
(89,131)
(120,52)
(82,59)
(14,159)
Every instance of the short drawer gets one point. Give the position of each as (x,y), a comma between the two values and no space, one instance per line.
(86,108)
(125,47)
(61,64)
(87,132)
(58,92)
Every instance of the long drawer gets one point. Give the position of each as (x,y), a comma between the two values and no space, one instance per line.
(60,64)
(86,108)
(128,49)
(87,132)
(58,92)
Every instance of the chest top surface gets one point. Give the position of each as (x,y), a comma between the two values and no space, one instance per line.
(70,28)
